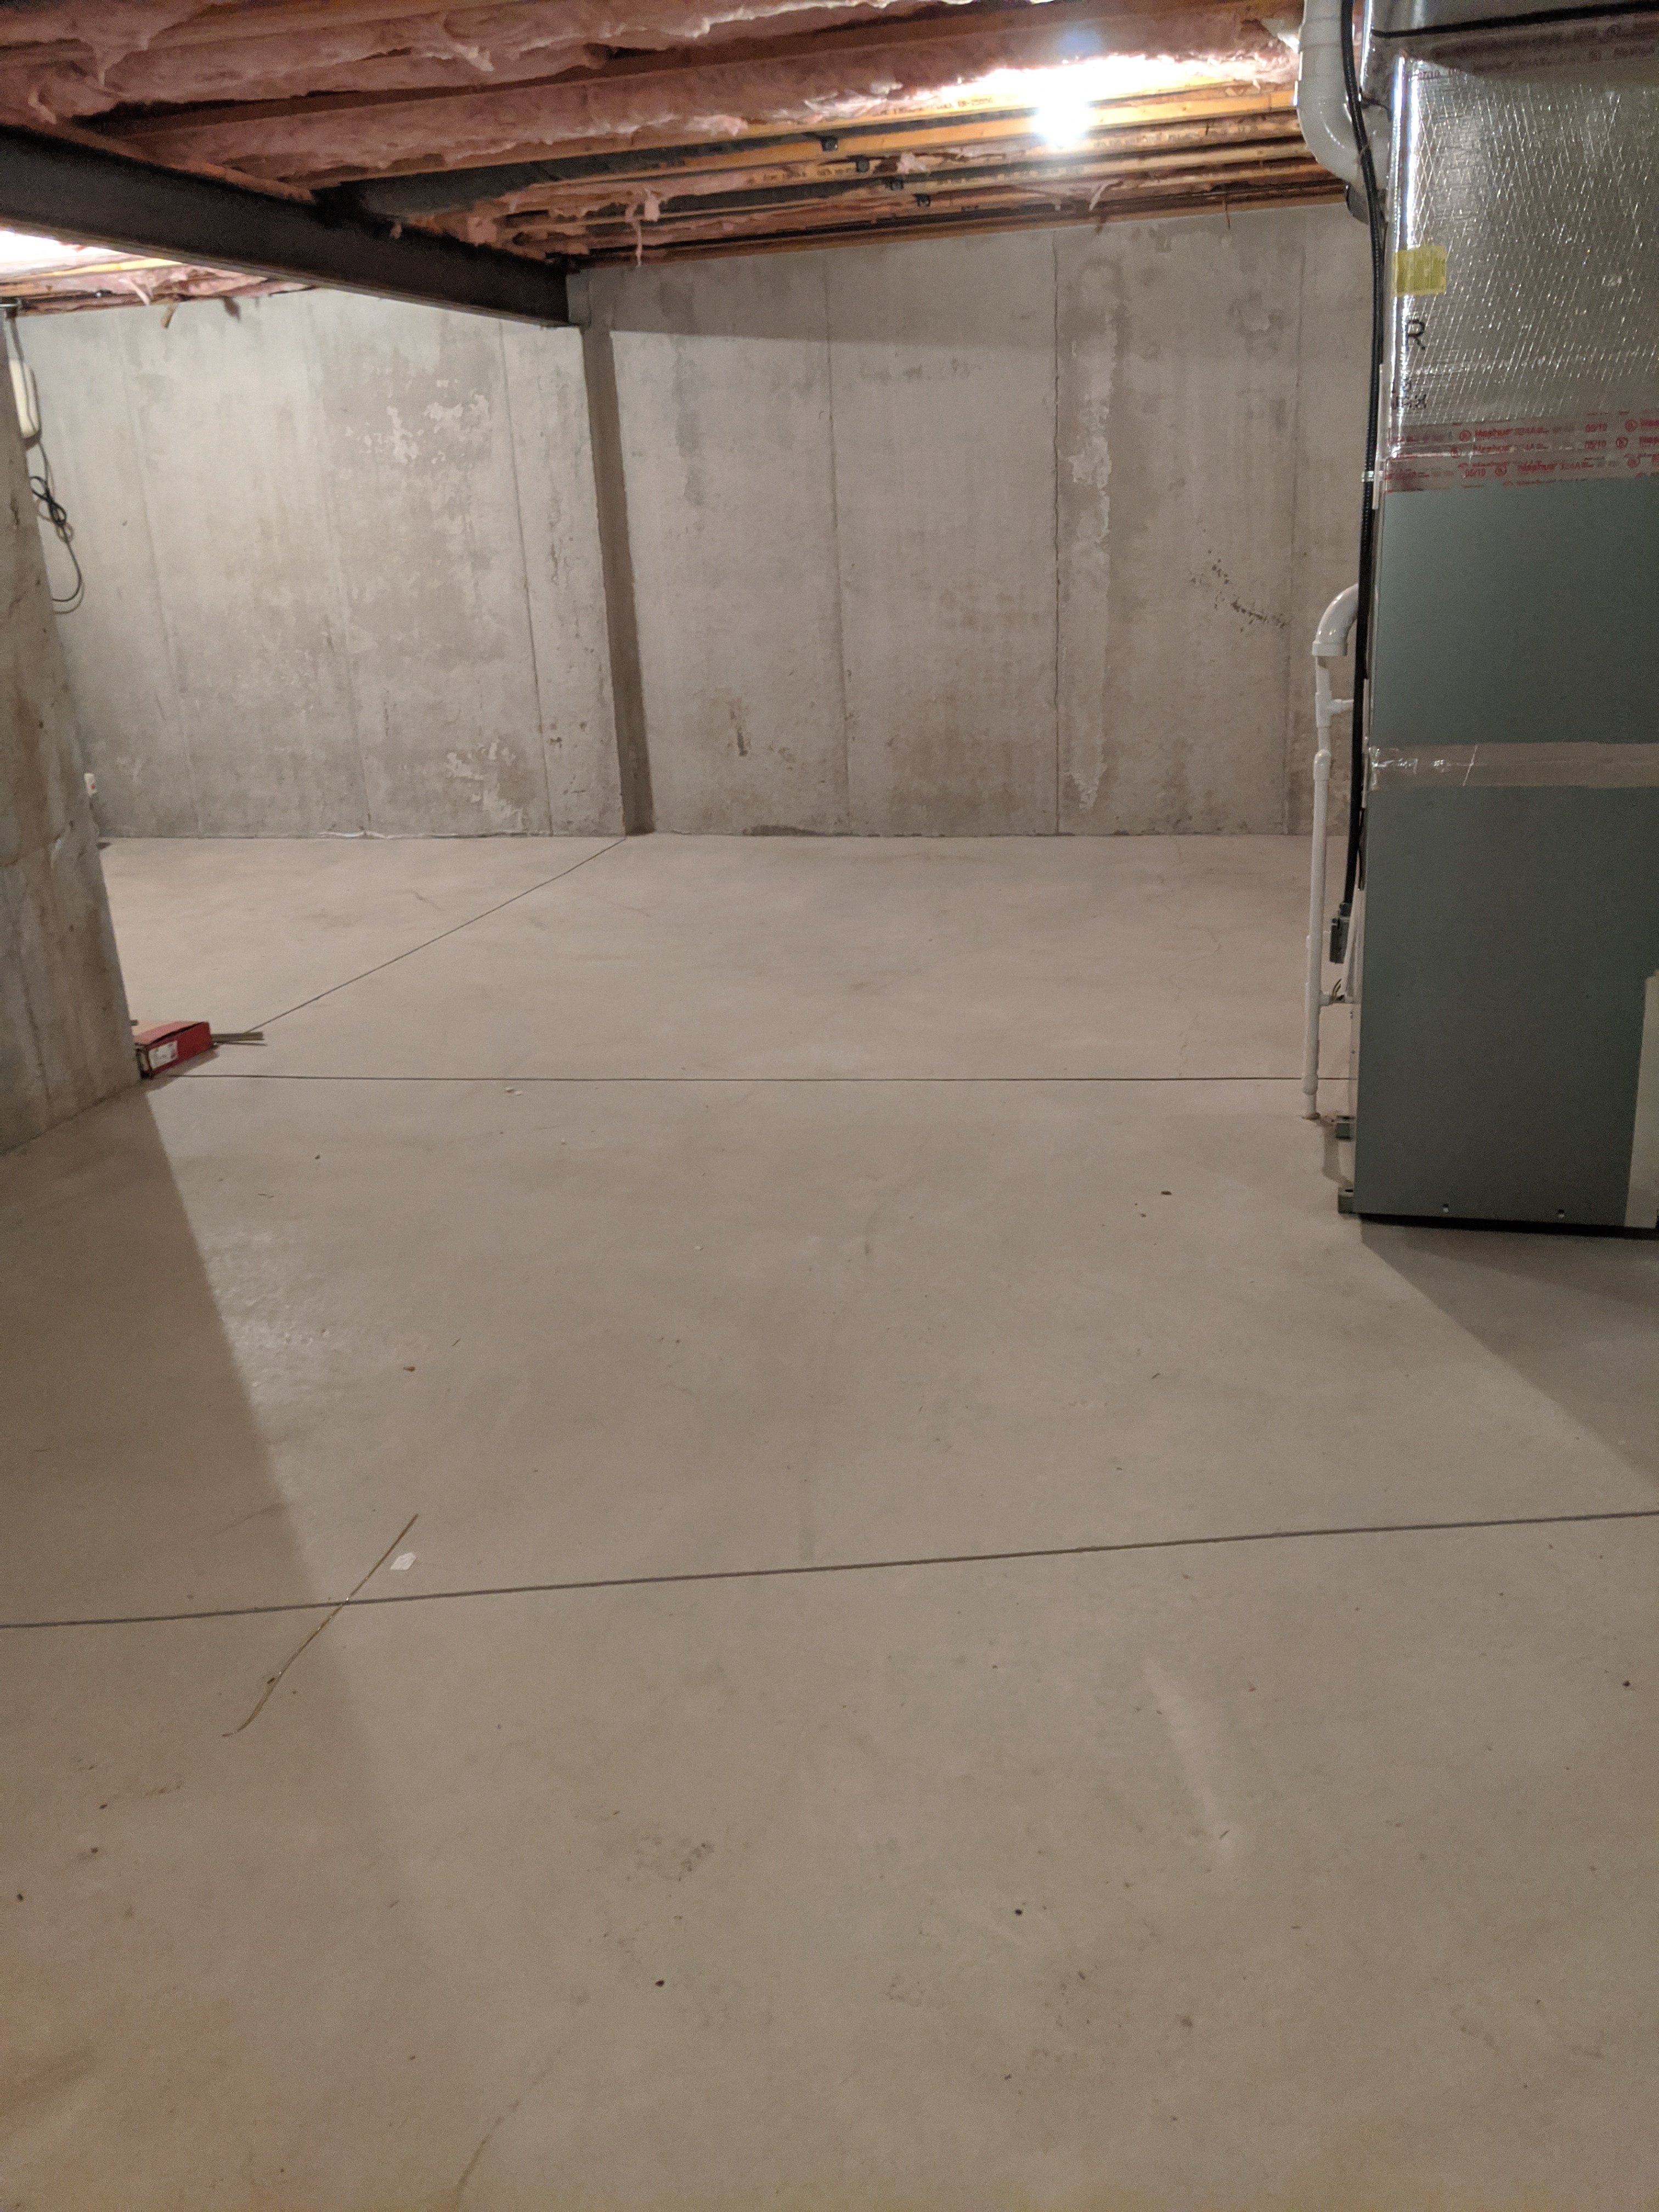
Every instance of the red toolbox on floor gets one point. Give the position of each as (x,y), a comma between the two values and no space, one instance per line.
(164,1044)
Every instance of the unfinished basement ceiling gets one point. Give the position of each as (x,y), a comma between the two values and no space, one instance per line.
(45,276)
(600,130)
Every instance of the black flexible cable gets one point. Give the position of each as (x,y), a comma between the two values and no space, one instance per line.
(53,511)
(1362,633)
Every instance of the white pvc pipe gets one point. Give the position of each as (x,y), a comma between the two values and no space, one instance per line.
(1321,105)
(1330,643)
(1331,638)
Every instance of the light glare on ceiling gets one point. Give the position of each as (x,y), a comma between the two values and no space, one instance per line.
(26,253)
(1062,100)
(1063,112)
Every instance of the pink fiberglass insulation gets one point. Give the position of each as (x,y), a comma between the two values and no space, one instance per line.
(570,204)
(706,97)
(61,62)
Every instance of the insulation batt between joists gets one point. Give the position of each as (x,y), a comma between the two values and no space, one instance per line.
(706,97)
(63,63)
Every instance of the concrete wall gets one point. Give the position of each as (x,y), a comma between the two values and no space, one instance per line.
(1005,534)
(1011,534)
(342,569)
(64,1037)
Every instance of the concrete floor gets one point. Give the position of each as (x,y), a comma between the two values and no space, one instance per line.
(706,1224)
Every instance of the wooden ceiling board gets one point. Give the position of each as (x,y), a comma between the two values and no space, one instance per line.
(674,126)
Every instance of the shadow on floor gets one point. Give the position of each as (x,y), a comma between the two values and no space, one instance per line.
(1576,1317)
(192,1853)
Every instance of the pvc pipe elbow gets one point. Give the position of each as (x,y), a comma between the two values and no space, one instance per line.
(1331,638)
(1321,105)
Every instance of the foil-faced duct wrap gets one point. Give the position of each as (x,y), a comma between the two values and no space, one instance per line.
(1524,264)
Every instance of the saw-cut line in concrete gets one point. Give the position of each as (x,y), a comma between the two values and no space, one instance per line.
(285,1075)
(305,1643)
(334,1605)
(453,930)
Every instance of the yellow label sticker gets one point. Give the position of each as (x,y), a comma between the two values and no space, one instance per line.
(1418,269)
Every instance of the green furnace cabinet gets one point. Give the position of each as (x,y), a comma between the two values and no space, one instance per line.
(1508,1057)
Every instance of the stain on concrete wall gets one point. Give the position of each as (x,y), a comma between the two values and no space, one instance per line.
(1179,394)
(342,569)
(943,371)
(1012,534)
(729,474)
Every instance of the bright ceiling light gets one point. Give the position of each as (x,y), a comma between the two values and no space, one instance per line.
(23,252)
(1063,110)
(1062,100)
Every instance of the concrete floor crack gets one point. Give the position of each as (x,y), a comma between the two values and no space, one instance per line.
(272,1680)
(492,2131)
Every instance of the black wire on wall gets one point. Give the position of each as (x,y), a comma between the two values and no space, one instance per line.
(1362,635)
(50,508)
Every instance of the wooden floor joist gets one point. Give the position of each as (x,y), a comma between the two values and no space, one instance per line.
(622,131)
(1240,199)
